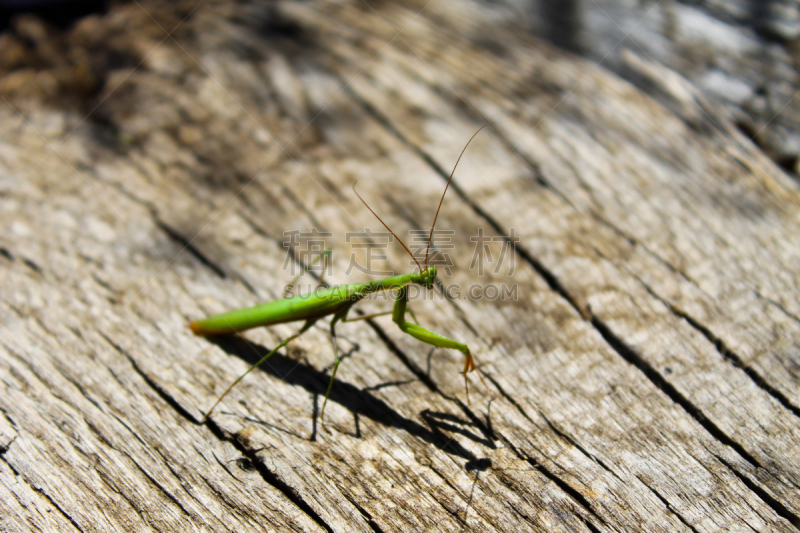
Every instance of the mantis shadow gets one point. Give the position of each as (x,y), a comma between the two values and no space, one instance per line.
(360,402)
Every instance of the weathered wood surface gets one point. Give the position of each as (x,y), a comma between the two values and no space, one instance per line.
(646,377)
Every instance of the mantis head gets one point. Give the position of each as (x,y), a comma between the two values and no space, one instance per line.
(426,277)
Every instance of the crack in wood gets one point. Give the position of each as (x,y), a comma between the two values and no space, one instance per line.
(571,492)
(271,477)
(780,509)
(268,476)
(667,388)
(366,515)
(613,341)
(162,393)
(577,446)
(668,506)
(189,247)
(44,495)
(601,327)
(726,352)
(532,461)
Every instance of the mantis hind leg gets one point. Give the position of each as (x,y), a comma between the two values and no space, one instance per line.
(429,337)
(305,328)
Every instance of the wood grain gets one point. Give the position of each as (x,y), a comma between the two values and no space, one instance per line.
(642,372)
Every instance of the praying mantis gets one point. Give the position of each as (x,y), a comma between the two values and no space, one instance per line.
(337,301)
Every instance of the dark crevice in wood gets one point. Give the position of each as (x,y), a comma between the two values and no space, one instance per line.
(452,512)
(463,520)
(231,505)
(33,266)
(615,342)
(669,266)
(576,496)
(188,246)
(668,506)
(717,342)
(573,493)
(305,268)
(270,477)
(631,241)
(163,394)
(5,447)
(781,510)
(451,485)
(258,230)
(577,446)
(228,470)
(365,514)
(103,283)
(590,526)
(460,314)
(519,512)
(125,192)
(118,494)
(140,512)
(563,24)
(512,487)
(177,476)
(667,388)
(510,399)
(531,460)
(44,495)
(398,383)
(5,253)
(159,487)
(99,434)
(728,354)
(778,305)
(175,236)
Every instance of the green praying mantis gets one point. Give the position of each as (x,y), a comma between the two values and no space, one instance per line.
(337,301)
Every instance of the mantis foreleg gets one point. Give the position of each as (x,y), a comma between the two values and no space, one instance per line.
(429,337)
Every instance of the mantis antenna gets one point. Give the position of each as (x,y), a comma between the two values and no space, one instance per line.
(387,227)
(430,237)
